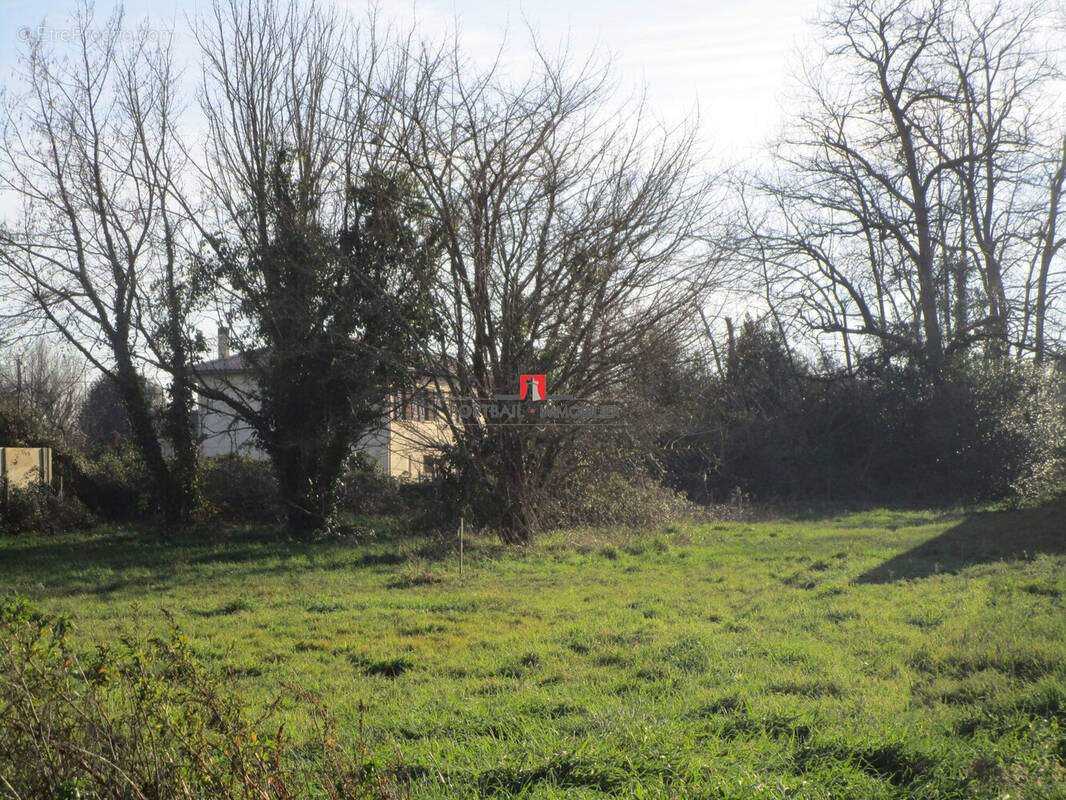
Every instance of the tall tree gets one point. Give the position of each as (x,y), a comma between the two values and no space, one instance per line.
(96,255)
(323,249)
(1049,243)
(994,83)
(570,233)
(43,377)
(899,210)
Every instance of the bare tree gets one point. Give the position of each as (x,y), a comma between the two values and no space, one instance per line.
(899,210)
(1049,243)
(570,232)
(43,377)
(96,255)
(996,80)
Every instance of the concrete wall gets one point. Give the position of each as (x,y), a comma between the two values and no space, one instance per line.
(22,466)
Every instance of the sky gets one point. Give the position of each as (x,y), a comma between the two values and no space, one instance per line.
(730,60)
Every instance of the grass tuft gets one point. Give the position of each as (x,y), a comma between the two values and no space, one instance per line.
(871,654)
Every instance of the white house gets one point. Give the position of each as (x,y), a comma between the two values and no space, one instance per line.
(403,444)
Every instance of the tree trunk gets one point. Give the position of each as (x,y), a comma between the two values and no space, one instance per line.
(185,469)
(135,401)
(306,509)
(1048,249)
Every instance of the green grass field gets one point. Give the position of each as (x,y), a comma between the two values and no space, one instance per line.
(865,655)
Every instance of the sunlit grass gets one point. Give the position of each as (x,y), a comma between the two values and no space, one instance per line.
(867,655)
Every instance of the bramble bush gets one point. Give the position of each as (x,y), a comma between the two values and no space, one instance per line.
(239,488)
(779,428)
(612,499)
(113,483)
(144,720)
(364,488)
(38,508)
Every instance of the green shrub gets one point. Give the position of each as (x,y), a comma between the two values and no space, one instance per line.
(598,478)
(27,427)
(113,484)
(37,508)
(981,431)
(777,427)
(240,488)
(609,499)
(364,488)
(142,720)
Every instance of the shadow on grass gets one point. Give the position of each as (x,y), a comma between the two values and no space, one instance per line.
(105,560)
(144,557)
(981,538)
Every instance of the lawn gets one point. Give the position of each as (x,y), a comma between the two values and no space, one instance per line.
(865,655)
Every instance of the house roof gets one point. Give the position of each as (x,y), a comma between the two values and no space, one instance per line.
(233,363)
(237,363)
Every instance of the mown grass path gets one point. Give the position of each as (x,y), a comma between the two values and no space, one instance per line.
(865,655)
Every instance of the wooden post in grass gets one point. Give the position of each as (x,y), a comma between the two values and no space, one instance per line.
(460,545)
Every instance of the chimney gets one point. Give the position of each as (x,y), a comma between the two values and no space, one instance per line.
(223,341)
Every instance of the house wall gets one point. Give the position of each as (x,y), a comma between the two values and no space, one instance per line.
(376,445)
(410,443)
(417,429)
(221,431)
(400,446)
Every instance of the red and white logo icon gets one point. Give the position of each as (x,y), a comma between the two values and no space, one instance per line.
(533,387)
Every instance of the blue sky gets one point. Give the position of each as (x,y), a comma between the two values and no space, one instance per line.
(732,59)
